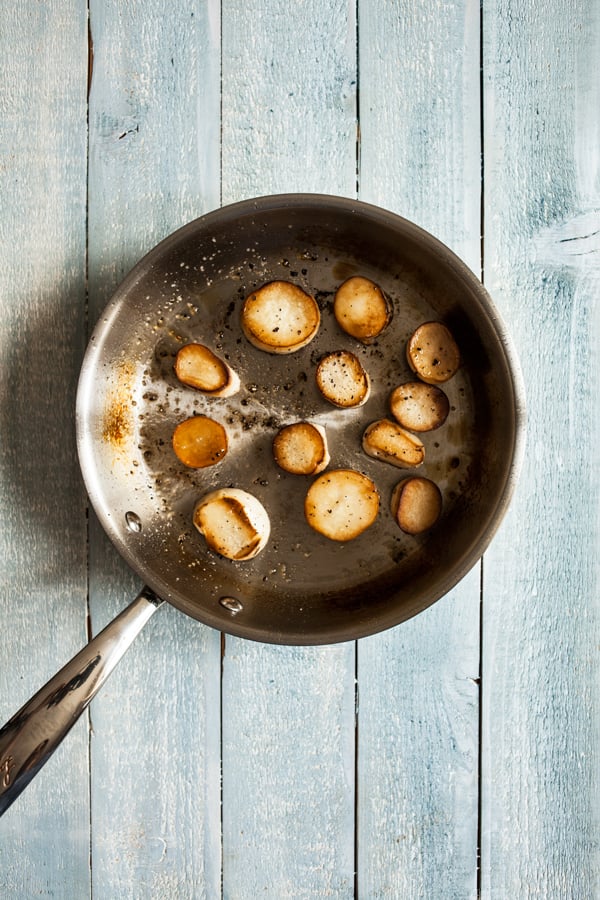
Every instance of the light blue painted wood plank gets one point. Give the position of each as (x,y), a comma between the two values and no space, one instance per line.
(289,98)
(418,753)
(541,717)
(154,164)
(418,683)
(44,836)
(419,116)
(288,771)
(289,124)
(154,120)
(155,755)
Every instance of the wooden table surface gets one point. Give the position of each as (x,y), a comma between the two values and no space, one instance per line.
(456,755)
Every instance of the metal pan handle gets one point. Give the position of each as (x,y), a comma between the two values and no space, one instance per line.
(31,736)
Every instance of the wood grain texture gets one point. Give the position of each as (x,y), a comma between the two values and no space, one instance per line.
(418,684)
(321,797)
(154,129)
(155,749)
(418,753)
(289,98)
(541,719)
(155,756)
(289,124)
(419,117)
(288,771)
(43,62)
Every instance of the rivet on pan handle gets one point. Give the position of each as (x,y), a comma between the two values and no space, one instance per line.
(31,736)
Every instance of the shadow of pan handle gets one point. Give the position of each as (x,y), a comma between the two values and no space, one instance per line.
(31,736)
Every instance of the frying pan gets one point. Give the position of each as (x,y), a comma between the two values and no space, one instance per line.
(302,588)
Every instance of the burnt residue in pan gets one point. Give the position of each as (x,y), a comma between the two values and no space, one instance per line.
(301,587)
(276,391)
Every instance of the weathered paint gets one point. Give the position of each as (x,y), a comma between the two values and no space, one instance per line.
(43,135)
(384,787)
(289,124)
(541,614)
(155,738)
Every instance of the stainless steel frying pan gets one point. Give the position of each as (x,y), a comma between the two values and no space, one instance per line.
(303,588)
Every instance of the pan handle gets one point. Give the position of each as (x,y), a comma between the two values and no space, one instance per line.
(31,736)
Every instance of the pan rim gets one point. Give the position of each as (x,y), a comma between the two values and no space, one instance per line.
(230,213)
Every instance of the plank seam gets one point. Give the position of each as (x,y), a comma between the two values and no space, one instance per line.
(481,150)
(221,126)
(356,741)
(221,804)
(223,636)
(481,580)
(480,732)
(86,325)
(357,95)
(356,643)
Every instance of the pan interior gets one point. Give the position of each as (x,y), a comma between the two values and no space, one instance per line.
(303,588)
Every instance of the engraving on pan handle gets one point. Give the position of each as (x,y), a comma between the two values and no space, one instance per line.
(31,736)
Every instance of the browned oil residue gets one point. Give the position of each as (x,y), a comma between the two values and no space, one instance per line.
(117,424)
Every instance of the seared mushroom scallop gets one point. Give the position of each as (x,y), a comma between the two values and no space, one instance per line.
(432,353)
(233,522)
(342,379)
(199,442)
(361,309)
(418,406)
(342,503)
(416,504)
(301,448)
(280,317)
(198,367)
(387,441)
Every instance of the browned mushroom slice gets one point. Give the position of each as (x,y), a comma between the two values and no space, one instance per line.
(341,504)
(199,442)
(432,353)
(416,504)
(280,317)
(387,441)
(361,309)
(418,406)
(198,367)
(301,448)
(342,379)
(233,522)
